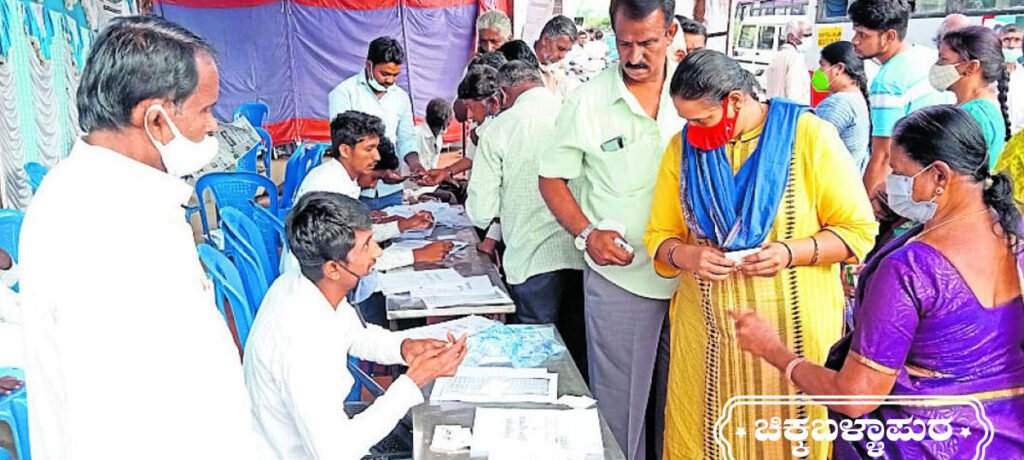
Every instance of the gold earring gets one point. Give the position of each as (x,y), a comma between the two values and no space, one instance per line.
(939,191)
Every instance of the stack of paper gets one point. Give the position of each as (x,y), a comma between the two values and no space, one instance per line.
(539,434)
(465,325)
(404,281)
(497,385)
(414,244)
(495,296)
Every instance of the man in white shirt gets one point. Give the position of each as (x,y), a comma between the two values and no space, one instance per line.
(295,359)
(555,42)
(429,138)
(787,75)
(355,137)
(374,91)
(493,29)
(119,318)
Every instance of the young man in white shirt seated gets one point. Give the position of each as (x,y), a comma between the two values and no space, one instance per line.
(295,358)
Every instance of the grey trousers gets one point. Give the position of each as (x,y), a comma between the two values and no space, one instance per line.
(627,345)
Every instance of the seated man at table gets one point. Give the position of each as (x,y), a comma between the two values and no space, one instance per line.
(355,139)
(295,358)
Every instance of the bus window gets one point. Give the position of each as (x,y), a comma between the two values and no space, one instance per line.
(997,5)
(767,39)
(928,7)
(747,34)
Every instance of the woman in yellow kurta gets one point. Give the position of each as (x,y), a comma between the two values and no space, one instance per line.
(1011,161)
(745,175)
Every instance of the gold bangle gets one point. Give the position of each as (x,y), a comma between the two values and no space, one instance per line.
(791,367)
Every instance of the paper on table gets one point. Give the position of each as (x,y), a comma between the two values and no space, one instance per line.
(495,297)
(393,283)
(473,286)
(413,245)
(497,384)
(450,438)
(542,434)
(465,325)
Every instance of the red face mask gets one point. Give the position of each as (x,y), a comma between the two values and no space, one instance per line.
(712,137)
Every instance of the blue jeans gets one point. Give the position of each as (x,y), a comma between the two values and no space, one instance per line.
(376,204)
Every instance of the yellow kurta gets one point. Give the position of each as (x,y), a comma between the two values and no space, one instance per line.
(708,368)
(1011,162)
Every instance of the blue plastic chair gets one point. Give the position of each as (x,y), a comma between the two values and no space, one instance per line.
(14,412)
(299,164)
(10,228)
(267,145)
(272,229)
(228,287)
(35,172)
(247,162)
(233,190)
(244,242)
(315,156)
(255,112)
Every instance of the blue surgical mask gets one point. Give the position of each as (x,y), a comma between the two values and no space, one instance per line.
(901,198)
(1012,55)
(364,289)
(374,84)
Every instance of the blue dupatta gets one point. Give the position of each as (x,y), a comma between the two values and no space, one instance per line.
(738,212)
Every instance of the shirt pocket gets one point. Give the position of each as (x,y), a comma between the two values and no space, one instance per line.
(629,170)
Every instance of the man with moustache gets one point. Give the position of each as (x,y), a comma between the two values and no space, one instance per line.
(617,152)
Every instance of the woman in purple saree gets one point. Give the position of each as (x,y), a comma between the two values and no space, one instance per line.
(939,313)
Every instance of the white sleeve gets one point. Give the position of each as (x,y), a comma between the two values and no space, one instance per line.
(385,232)
(310,385)
(494,231)
(374,343)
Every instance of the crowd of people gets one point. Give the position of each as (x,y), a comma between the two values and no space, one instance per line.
(692,235)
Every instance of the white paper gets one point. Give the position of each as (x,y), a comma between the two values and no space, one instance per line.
(497,385)
(404,281)
(450,438)
(473,286)
(414,244)
(577,402)
(495,297)
(536,434)
(465,325)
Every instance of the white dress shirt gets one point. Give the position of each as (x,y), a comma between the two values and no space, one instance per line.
(331,176)
(787,76)
(429,150)
(394,108)
(126,352)
(295,368)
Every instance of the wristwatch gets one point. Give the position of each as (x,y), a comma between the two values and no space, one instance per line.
(581,239)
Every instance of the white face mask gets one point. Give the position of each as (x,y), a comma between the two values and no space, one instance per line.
(374,84)
(943,76)
(181,156)
(900,191)
(805,45)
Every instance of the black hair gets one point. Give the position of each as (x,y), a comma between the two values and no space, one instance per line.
(519,72)
(480,83)
(882,15)
(322,227)
(640,9)
(949,134)
(710,75)
(598,34)
(439,114)
(494,59)
(983,44)
(133,59)
(1009,29)
(518,50)
(853,66)
(689,26)
(385,50)
(559,26)
(388,157)
(351,127)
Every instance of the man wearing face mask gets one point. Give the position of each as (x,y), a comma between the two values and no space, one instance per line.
(551,48)
(787,75)
(612,133)
(374,90)
(121,315)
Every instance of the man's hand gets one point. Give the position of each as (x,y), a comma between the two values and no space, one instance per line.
(433,252)
(490,247)
(603,250)
(422,220)
(433,177)
(392,177)
(434,363)
(9,383)
(411,348)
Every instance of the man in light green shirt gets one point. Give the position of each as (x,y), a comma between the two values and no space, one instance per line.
(611,135)
(543,268)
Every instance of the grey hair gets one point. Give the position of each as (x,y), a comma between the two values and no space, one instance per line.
(796,27)
(518,72)
(559,26)
(133,59)
(495,19)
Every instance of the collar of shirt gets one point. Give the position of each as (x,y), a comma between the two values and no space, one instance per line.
(330,176)
(621,92)
(136,176)
(533,94)
(363,81)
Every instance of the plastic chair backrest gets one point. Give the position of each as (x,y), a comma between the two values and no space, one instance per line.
(272,228)
(14,412)
(315,156)
(255,112)
(10,228)
(267,144)
(227,285)
(294,172)
(232,190)
(245,242)
(35,172)
(247,162)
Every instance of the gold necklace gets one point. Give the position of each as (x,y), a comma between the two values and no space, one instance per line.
(949,221)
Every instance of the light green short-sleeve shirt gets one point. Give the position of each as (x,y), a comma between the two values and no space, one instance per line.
(617,183)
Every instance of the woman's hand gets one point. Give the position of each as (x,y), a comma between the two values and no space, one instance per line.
(772,259)
(704,261)
(753,334)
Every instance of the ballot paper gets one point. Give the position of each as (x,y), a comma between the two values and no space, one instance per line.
(495,297)
(444,214)
(497,385)
(466,325)
(404,281)
(537,434)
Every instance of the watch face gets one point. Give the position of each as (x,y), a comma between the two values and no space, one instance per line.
(581,242)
